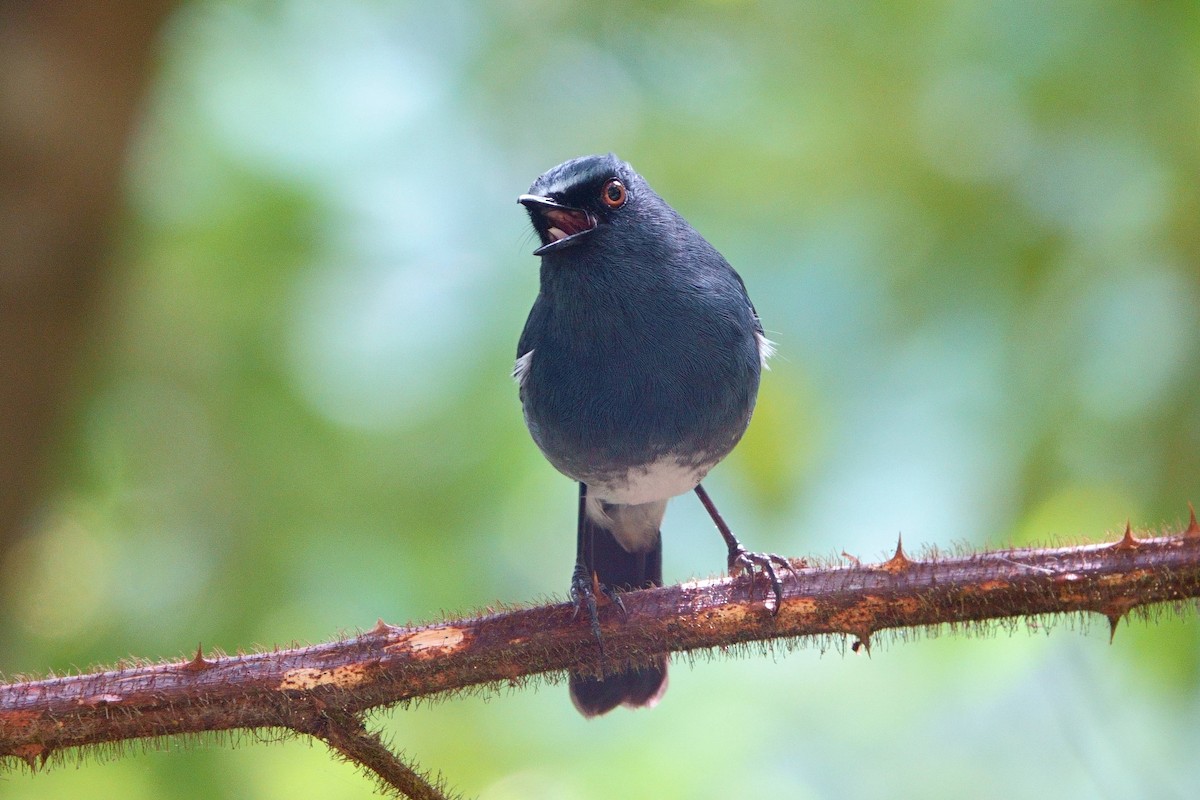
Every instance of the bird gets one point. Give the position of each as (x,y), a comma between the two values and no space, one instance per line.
(638,370)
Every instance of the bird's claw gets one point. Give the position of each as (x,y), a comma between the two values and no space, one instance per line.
(741,560)
(584,588)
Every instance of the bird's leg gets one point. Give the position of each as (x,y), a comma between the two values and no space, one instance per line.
(740,559)
(583,580)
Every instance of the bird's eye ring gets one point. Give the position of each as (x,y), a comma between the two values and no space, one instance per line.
(613,194)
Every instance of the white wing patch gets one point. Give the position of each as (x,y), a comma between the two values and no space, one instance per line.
(766,349)
(521,368)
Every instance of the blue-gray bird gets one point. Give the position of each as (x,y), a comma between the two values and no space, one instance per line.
(638,370)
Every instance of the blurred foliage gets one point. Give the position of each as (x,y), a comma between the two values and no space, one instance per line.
(970,227)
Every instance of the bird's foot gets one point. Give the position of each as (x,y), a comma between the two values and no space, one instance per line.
(584,588)
(741,560)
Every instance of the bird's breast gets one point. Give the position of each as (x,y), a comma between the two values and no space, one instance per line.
(638,395)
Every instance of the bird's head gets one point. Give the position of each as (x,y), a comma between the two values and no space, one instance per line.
(570,202)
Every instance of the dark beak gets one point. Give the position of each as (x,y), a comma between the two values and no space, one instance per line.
(559,226)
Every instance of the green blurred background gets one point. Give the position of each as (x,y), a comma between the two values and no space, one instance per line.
(971,228)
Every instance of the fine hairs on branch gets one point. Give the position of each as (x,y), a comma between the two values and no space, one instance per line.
(324,690)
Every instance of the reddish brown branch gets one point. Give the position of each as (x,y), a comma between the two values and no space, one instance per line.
(304,689)
(347,736)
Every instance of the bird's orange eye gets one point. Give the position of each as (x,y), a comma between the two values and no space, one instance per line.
(613,194)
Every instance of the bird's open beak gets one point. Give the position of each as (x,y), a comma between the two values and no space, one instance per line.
(559,226)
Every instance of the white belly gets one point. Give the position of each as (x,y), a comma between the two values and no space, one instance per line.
(658,480)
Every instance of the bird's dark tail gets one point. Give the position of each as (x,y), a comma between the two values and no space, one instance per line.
(617,568)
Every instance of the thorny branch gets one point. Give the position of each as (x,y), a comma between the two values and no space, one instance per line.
(324,690)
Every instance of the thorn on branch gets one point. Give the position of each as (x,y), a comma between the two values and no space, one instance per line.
(899,562)
(1113,621)
(1116,609)
(1128,541)
(34,755)
(199,663)
(1193,529)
